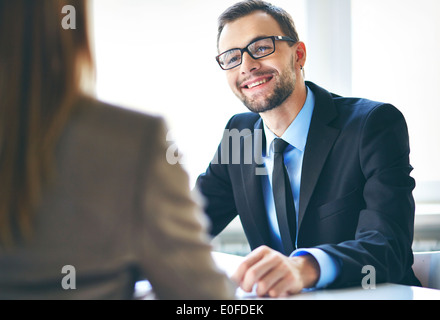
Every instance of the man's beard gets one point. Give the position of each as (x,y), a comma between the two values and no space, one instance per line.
(282,91)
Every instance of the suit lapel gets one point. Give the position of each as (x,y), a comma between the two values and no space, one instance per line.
(251,175)
(320,141)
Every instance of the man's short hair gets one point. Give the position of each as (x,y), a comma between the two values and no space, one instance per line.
(244,8)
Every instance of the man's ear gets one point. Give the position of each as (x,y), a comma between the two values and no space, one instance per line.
(301,53)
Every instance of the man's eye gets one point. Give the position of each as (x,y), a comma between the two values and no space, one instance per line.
(262,50)
(233,60)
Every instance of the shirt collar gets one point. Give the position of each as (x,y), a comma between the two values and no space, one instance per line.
(296,133)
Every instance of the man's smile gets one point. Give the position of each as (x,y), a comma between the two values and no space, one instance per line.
(256,82)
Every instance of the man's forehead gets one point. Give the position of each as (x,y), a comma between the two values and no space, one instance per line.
(239,33)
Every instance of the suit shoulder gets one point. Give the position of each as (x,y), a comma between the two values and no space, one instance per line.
(101,125)
(245,120)
(105,116)
(111,111)
(360,107)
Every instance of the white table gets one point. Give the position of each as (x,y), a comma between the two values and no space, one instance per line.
(228,263)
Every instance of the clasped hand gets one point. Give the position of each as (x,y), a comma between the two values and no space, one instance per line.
(275,274)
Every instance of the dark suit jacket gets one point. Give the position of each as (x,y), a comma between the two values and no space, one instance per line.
(356,199)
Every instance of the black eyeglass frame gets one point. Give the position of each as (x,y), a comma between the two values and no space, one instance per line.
(279,38)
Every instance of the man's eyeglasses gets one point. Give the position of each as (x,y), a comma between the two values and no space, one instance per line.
(257,49)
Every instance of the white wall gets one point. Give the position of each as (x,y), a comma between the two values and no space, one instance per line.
(396,59)
(329,42)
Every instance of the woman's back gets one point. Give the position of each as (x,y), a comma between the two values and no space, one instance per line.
(115,212)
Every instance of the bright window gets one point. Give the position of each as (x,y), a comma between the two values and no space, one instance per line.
(396,59)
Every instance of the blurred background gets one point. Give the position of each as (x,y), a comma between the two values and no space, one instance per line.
(158,57)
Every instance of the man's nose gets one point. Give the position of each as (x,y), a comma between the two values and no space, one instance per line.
(248,64)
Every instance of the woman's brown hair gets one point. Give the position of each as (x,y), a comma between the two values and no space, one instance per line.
(42,65)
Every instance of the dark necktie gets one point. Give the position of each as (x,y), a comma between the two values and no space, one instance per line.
(283,198)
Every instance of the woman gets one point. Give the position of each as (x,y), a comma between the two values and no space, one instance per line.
(84,186)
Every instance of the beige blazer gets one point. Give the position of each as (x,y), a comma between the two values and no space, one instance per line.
(117,212)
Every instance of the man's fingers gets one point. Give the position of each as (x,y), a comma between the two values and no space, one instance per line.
(249,261)
(260,271)
(284,288)
(275,274)
(270,279)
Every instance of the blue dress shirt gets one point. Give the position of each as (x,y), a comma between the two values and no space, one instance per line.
(296,136)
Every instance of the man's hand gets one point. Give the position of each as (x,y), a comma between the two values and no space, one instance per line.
(275,274)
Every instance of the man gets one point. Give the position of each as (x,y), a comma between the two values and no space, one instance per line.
(343,161)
